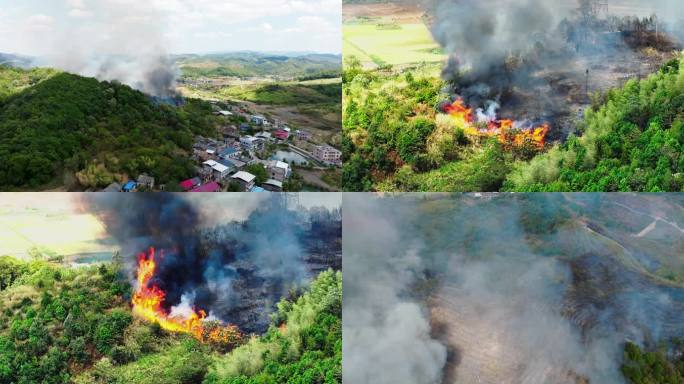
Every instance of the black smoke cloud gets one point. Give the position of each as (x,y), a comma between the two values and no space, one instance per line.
(236,271)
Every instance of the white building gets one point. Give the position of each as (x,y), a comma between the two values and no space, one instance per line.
(245,179)
(279,170)
(258,120)
(251,143)
(218,170)
(328,154)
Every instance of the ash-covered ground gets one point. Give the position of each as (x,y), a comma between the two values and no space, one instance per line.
(492,288)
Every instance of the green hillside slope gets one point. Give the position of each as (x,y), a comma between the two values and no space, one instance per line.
(82,133)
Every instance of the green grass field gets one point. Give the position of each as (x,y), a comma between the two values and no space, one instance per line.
(402,44)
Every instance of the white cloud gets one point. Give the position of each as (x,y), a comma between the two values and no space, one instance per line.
(76,3)
(40,23)
(80,13)
(266,27)
(181,26)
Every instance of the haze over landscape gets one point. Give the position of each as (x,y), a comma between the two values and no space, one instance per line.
(36,27)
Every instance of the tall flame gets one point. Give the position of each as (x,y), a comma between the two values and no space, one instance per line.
(508,131)
(147,304)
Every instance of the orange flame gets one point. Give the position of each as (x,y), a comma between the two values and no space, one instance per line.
(464,118)
(147,303)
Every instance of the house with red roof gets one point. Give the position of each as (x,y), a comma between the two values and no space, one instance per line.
(190,184)
(211,187)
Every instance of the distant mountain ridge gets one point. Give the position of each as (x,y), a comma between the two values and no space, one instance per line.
(257,64)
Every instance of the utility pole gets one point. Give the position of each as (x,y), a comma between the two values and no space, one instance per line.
(587,84)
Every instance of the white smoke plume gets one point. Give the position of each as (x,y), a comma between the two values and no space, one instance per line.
(386,332)
(115,40)
(504,289)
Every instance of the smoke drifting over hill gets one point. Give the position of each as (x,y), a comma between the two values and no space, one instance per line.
(235,271)
(512,289)
(121,40)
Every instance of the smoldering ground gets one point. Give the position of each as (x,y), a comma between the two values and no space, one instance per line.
(517,289)
(236,271)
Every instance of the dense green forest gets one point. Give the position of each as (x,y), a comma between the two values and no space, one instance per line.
(63,325)
(653,367)
(254,64)
(59,129)
(630,140)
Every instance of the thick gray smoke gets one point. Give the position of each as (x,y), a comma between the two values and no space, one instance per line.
(528,289)
(479,35)
(498,47)
(236,271)
(386,331)
(116,40)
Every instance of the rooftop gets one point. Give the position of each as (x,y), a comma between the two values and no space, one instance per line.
(274,183)
(244,176)
(190,183)
(211,187)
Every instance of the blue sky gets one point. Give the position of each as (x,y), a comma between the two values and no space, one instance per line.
(39,27)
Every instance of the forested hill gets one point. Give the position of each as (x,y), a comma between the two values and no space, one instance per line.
(59,129)
(631,140)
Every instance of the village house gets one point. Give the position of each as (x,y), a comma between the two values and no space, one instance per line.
(239,163)
(229,153)
(251,143)
(303,135)
(278,170)
(146,181)
(258,120)
(272,185)
(210,187)
(328,154)
(281,134)
(230,132)
(265,136)
(217,170)
(245,179)
(190,184)
(130,186)
(228,163)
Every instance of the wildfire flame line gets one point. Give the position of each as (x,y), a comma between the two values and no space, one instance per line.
(506,130)
(148,302)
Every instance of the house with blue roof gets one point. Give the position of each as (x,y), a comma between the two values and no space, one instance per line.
(129,186)
(229,153)
(228,164)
